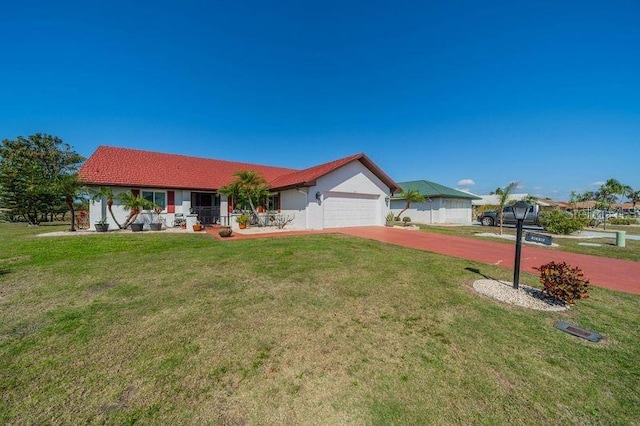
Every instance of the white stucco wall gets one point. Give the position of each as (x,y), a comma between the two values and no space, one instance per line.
(425,212)
(435,210)
(294,203)
(98,209)
(353,178)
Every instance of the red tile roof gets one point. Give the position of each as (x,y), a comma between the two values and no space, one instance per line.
(111,166)
(307,177)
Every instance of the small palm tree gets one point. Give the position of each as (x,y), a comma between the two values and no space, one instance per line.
(107,193)
(410,196)
(503,198)
(69,187)
(134,204)
(249,187)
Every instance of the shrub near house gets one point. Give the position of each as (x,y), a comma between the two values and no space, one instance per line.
(559,222)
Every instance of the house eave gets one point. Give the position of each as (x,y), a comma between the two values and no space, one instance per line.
(154,186)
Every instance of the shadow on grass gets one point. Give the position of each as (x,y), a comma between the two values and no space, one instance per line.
(477,271)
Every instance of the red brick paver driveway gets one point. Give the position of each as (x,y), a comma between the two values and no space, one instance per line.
(614,274)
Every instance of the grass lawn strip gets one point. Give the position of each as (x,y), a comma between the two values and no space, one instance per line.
(570,244)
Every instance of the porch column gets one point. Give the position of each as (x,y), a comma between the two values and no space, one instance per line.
(224,210)
(186,202)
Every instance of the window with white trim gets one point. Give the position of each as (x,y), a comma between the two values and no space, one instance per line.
(157,197)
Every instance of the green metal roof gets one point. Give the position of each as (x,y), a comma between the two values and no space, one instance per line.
(432,189)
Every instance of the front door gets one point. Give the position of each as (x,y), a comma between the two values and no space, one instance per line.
(207,206)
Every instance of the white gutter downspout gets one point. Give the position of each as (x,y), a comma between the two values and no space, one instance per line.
(306,206)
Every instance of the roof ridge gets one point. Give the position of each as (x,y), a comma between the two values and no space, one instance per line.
(437,189)
(146,151)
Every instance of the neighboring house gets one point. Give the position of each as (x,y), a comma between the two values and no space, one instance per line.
(591,208)
(351,191)
(442,204)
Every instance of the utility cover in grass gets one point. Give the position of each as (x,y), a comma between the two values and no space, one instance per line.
(578,331)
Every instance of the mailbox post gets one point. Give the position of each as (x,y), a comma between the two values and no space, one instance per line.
(520,212)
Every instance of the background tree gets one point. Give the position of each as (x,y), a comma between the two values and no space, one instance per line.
(410,196)
(30,173)
(634,197)
(503,198)
(248,187)
(69,189)
(574,198)
(607,195)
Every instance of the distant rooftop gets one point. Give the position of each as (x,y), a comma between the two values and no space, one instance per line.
(433,190)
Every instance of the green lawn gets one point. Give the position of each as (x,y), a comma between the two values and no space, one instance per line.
(172,329)
(607,249)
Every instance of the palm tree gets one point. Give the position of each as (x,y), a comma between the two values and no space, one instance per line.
(248,187)
(68,187)
(607,195)
(503,197)
(105,192)
(574,197)
(634,197)
(410,196)
(134,204)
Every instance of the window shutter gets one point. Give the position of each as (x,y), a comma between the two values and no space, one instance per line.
(171,202)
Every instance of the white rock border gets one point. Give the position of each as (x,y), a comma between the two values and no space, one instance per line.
(525,296)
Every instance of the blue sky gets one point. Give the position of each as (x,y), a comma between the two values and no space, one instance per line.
(543,93)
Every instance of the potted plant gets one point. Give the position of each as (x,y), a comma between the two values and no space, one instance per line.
(181,222)
(157,224)
(102,225)
(242,220)
(389,219)
(197,226)
(225,231)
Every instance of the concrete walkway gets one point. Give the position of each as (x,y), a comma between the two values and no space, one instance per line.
(614,274)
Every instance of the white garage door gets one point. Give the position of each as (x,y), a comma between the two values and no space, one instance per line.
(457,211)
(346,209)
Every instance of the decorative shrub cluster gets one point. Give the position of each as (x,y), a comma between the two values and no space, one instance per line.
(563,282)
(559,222)
(406,219)
(623,221)
(281,220)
